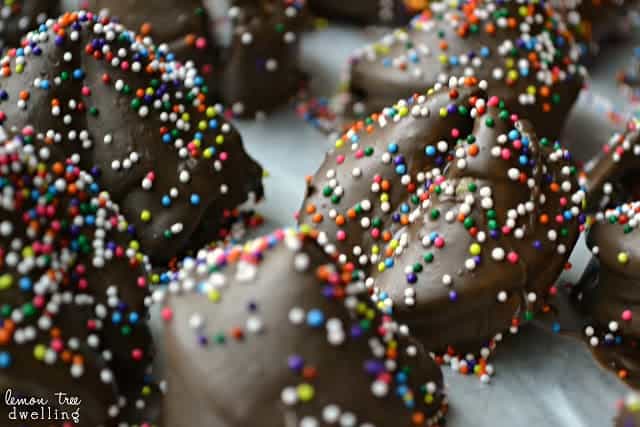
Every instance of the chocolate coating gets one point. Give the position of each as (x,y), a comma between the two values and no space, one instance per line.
(590,125)
(260,65)
(609,294)
(183,25)
(523,51)
(595,21)
(246,50)
(462,218)
(19,16)
(137,120)
(73,288)
(273,332)
(613,177)
(386,12)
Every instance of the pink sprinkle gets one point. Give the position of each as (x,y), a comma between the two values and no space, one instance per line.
(563,201)
(517,144)
(455,132)
(201,43)
(167,314)
(377,179)
(359,154)
(142,282)
(375,233)
(505,154)
(512,257)
(340,159)
(38,301)
(86,91)
(493,101)
(627,315)
(341,235)
(57,345)
(137,354)
(224,156)
(439,242)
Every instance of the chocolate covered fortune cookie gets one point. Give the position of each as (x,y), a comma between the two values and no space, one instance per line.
(612,178)
(386,12)
(138,120)
(272,334)
(246,50)
(461,215)
(260,68)
(522,49)
(609,291)
(19,16)
(595,21)
(73,292)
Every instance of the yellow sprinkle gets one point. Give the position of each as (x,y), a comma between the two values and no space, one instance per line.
(305,392)
(39,351)
(6,280)
(27,252)
(623,257)
(475,249)
(145,216)
(214,295)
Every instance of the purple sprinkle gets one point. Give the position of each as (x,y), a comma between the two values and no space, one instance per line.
(295,363)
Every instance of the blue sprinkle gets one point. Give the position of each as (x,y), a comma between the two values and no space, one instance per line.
(25,284)
(78,74)
(116,318)
(133,318)
(5,359)
(430,150)
(315,318)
